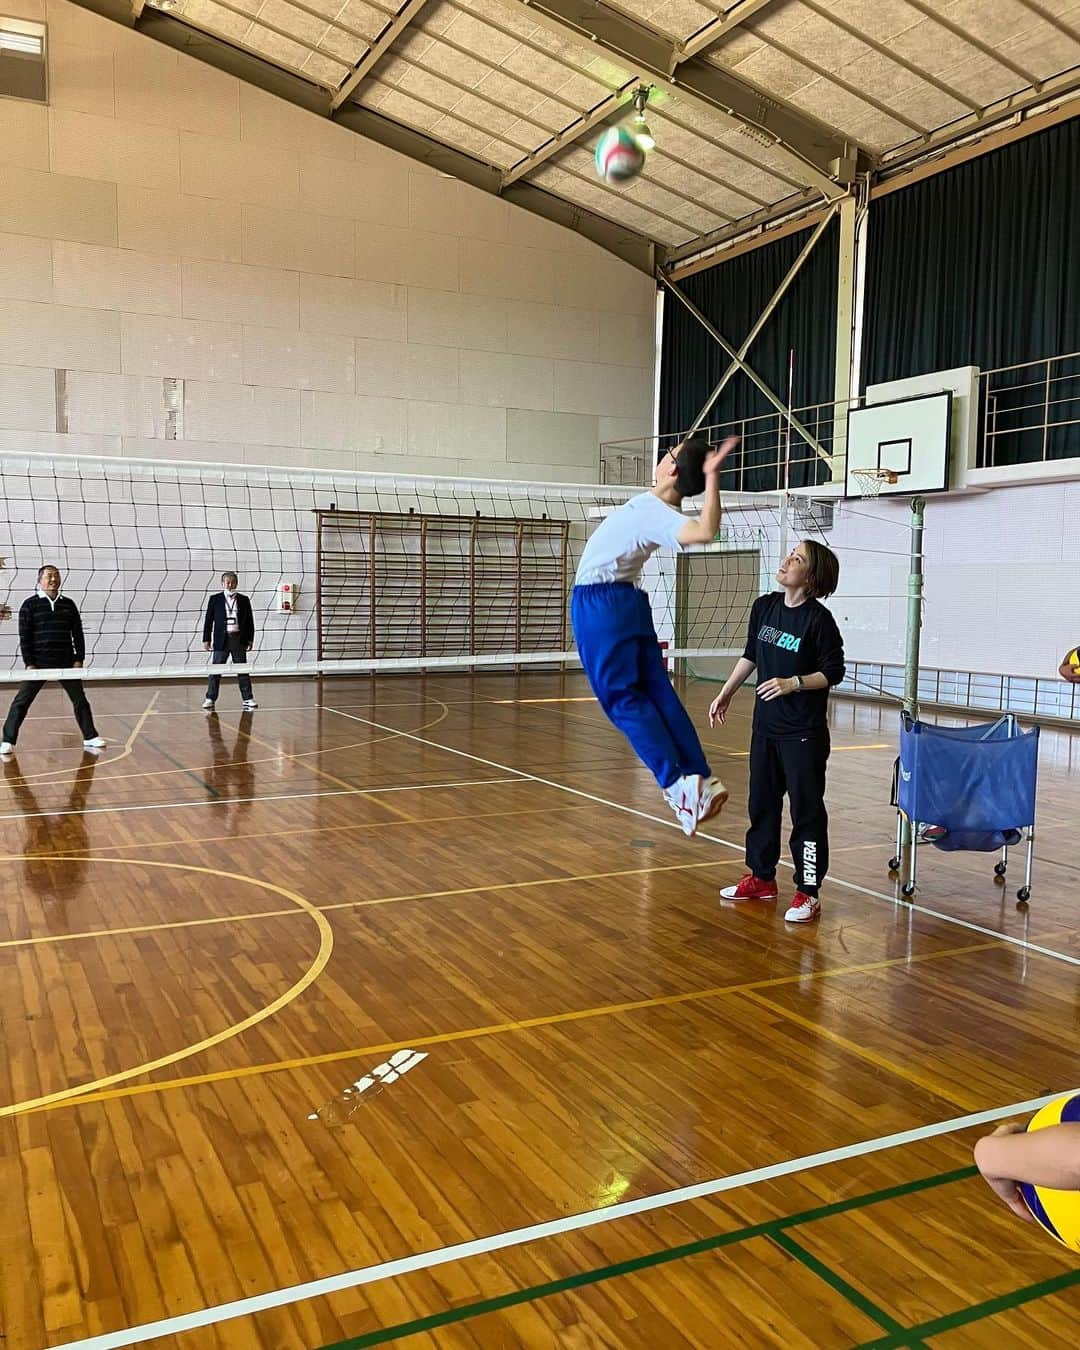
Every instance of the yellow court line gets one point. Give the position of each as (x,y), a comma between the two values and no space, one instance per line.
(882,745)
(597,724)
(526,1024)
(504,701)
(50,774)
(834,750)
(237,763)
(946,1091)
(314,970)
(322,909)
(91,851)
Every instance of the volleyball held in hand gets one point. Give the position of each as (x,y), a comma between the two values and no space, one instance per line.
(619,157)
(1057,1211)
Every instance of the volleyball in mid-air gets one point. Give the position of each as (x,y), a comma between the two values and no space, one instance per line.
(619,156)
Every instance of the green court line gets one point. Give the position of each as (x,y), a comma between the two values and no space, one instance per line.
(773,1228)
(844,1289)
(978,1311)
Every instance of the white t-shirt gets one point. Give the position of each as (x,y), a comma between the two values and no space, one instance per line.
(232,623)
(621,544)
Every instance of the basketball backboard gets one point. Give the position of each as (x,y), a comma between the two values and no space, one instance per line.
(903,443)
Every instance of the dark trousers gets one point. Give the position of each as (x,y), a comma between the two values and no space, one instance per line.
(796,767)
(29,690)
(617,643)
(238,652)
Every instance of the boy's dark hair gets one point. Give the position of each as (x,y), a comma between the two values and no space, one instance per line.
(822,569)
(690,478)
(46,567)
(231,574)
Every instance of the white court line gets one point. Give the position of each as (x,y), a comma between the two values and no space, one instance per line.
(568,1223)
(277,797)
(726,843)
(274,707)
(515,1237)
(202,712)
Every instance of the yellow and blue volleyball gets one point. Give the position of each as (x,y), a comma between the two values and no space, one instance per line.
(619,157)
(1073,658)
(1057,1211)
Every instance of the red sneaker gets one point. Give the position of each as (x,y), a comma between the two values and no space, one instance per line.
(804,909)
(751,888)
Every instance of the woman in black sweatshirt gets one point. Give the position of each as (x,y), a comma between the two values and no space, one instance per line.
(795,646)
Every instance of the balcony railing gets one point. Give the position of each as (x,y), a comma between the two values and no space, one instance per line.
(1030,413)
(1024,695)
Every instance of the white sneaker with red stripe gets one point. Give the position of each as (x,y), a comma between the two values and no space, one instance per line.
(804,909)
(751,888)
(684,796)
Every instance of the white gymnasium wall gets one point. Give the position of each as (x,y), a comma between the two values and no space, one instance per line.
(328,303)
(1000,569)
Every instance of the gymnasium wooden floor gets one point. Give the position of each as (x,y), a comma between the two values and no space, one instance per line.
(644,1118)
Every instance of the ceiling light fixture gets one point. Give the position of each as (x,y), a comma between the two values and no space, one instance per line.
(641,128)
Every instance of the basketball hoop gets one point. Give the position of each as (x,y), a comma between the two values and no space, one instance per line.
(871,481)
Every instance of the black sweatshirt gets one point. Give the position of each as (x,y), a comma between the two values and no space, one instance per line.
(50,632)
(783,641)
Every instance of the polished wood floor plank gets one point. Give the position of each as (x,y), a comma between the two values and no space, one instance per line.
(598,1026)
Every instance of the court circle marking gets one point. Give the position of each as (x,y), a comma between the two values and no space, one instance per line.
(314,970)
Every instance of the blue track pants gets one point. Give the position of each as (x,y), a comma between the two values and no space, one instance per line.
(617,643)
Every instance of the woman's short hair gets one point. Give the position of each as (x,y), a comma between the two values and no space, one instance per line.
(822,569)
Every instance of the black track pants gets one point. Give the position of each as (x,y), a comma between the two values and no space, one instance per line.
(796,767)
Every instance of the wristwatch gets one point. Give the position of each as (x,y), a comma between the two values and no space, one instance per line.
(799,686)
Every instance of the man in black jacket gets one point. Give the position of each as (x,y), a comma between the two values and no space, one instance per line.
(229,630)
(50,636)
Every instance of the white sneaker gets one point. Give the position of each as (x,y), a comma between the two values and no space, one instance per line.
(249,704)
(208,703)
(713,797)
(683,797)
(95,743)
(6,748)
(804,909)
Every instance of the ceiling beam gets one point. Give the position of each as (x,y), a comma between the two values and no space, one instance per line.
(376,52)
(609,111)
(624,243)
(824,158)
(904,174)
(1009,109)
(705,39)
(964,33)
(1052,19)
(762,221)
(703,253)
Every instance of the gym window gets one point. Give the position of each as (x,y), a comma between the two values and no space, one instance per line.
(23,67)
